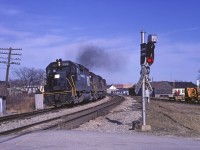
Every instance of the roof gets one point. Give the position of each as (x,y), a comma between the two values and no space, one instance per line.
(182,84)
(121,86)
(158,84)
(122,89)
(162,87)
(112,87)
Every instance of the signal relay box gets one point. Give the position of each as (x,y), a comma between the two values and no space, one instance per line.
(152,38)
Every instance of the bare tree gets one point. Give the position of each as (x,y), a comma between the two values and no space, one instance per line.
(3,89)
(27,78)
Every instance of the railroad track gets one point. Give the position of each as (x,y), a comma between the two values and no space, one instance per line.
(167,100)
(173,101)
(29,114)
(34,113)
(68,121)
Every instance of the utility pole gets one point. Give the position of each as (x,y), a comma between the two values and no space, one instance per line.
(10,60)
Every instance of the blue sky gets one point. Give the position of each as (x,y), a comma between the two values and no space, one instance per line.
(51,29)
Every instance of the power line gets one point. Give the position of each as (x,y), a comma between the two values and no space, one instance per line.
(10,61)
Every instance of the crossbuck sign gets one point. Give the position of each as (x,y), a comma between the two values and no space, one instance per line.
(144,75)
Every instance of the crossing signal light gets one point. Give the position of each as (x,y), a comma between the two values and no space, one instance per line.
(150,60)
(150,53)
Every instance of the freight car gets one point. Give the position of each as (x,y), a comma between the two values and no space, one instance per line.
(68,82)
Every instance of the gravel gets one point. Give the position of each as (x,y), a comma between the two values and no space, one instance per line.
(119,119)
(166,119)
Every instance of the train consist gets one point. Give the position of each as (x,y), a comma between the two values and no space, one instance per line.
(68,82)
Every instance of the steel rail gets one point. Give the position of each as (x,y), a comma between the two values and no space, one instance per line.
(28,114)
(33,113)
(173,101)
(74,120)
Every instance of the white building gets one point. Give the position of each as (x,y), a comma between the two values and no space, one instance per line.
(198,83)
(117,89)
(111,89)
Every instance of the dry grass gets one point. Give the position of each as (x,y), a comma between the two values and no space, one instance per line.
(20,104)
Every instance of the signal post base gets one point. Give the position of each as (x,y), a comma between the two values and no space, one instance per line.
(144,128)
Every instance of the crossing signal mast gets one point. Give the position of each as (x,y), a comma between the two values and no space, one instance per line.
(146,60)
(10,59)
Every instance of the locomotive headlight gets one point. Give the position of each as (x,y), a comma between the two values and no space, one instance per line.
(57,76)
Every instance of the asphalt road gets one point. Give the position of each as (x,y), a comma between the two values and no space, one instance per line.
(81,140)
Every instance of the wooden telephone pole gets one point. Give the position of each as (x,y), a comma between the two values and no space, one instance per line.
(10,60)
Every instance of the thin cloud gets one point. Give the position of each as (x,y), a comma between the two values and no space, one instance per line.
(39,51)
(7,10)
(180,31)
(13,33)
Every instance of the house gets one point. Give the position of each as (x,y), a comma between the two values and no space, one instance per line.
(120,89)
(110,89)
(179,87)
(168,89)
(161,89)
(24,90)
(17,90)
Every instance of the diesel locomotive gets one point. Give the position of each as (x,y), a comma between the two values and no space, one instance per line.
(68,82)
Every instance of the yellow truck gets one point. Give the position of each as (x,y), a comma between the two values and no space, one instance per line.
(191,94)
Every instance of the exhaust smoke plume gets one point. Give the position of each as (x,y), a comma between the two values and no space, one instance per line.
(94,57)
